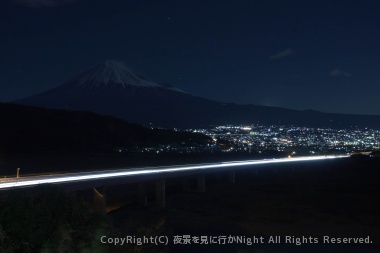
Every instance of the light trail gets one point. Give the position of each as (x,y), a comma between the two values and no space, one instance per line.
(84,176)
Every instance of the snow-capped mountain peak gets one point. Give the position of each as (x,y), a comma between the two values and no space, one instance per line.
(112,72)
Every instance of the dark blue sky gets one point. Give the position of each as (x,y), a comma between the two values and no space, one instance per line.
(321,55)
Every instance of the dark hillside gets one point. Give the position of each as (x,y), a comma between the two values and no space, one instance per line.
(29,129)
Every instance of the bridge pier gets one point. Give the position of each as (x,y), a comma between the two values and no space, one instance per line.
(100,200)
(231,177)
(186,185)
(160,193)
(74,194)
(201,183)
(142,196)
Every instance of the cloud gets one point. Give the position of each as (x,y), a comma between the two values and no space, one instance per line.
(42,3)
(338,72)
(282,54)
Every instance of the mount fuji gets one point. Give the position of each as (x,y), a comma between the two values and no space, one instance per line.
(112,89)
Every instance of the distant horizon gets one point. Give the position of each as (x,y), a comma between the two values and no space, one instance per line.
(131,69)
(270,53)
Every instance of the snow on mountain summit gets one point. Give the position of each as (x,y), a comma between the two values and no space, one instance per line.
(111,72)
(109,81)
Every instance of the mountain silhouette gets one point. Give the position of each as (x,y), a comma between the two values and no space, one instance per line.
(112,89)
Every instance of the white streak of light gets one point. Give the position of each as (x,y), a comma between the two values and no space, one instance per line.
(22,182)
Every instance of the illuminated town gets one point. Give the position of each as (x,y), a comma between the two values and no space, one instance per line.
(291,140)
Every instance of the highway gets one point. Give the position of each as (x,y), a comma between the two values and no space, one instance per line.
(125,173)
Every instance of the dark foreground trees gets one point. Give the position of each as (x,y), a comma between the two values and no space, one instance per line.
(45,219)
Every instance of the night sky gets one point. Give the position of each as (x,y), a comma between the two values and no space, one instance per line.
(321,55)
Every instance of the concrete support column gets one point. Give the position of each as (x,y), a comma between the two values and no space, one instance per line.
(142,196)
(186,185)
(160,193)
(104,201)
(231,177)
(201,183)
(100,200)
(74,194)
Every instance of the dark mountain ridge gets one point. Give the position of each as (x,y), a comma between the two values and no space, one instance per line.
(112,89)
(30,129)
